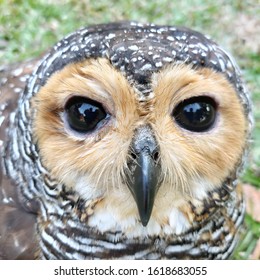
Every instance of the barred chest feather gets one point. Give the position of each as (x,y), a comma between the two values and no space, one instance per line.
(68,236)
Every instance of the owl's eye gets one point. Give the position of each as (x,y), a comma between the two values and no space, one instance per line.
(84,115)
(196,114)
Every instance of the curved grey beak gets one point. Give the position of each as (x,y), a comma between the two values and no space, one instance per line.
(145,177)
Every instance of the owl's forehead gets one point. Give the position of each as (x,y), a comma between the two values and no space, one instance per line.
(138,49)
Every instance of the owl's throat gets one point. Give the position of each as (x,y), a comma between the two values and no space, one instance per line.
(144,177)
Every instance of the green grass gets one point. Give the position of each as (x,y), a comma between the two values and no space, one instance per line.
(28,28)
(249,237)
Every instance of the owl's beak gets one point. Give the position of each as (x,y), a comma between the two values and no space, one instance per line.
(145,171)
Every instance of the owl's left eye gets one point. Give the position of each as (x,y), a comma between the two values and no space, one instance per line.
(196,114)
(84,115)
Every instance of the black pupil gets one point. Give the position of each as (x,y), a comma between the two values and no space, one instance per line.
(84,114)
(196,114)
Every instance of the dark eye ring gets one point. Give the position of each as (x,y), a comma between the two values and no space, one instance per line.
(197,114)
(85,115)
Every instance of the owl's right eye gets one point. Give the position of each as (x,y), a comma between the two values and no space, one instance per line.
(84,115)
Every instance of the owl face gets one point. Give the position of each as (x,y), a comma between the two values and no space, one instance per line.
(147,161)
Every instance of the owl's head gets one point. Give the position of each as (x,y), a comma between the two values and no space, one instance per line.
(150,121)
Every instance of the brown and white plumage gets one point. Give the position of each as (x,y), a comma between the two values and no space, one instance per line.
(140,180)
(17,230)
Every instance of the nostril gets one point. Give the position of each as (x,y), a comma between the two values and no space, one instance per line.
(133,156)
(156,156)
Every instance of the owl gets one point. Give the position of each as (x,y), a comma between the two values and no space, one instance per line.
(125,141)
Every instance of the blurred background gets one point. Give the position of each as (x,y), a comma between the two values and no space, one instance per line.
(28,28)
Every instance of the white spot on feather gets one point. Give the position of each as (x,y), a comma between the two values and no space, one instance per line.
(133,48)
(17,72)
